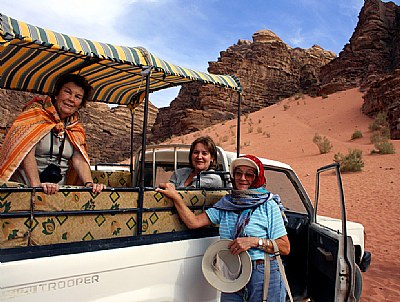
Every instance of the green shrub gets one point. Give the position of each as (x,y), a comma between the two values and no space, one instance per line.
(356,134)
(323,143)
(379,122)
(351,162)
(384,148)
(381,135)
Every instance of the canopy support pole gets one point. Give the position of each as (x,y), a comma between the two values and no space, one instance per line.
(145,72)
(238,125)
(132,134)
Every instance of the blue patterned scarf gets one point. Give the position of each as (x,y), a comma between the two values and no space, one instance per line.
(243,199)
(246,201)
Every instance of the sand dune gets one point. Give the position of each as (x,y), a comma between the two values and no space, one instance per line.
(285,131)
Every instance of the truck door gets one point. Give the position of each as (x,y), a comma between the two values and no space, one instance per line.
(331,265)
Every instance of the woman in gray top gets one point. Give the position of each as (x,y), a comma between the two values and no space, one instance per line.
(202,157)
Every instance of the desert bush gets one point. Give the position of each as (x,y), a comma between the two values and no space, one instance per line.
(380,135)
(323,143)
(379,122)
(286,107)
(351,162)
(324,96)
(356,134)
(384,147)
(250,129)
(259,129)
(247,143)
(267,134)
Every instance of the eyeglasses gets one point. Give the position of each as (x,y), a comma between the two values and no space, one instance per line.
(247,175)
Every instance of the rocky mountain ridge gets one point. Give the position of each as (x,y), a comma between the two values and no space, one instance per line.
(270,70)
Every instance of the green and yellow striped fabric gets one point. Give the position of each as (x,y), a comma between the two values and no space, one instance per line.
(32,58)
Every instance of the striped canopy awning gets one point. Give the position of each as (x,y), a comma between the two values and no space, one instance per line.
(32,58)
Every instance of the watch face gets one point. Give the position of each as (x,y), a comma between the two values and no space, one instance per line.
(260,242)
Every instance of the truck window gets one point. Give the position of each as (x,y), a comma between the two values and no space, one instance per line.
(278,182)
(163,173)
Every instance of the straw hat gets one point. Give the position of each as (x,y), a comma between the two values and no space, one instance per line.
(224,271)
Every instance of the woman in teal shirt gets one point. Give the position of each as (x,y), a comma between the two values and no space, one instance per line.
(250,217)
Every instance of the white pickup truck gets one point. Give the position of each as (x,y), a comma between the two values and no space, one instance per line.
(127,244)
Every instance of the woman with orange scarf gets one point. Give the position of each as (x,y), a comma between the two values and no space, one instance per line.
(46,145)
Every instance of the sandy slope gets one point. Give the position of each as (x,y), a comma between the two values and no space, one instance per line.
(285,131)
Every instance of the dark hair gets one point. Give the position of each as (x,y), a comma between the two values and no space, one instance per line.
(210,146)
(77,80)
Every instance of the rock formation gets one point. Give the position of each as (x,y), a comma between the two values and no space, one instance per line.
(371,59)
(268,70)
(373,49)
(384,96)
(108,129)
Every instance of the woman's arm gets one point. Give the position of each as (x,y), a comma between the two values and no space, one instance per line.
(283,245)
(191,220)
(30,167)
(244,243)
(83,169)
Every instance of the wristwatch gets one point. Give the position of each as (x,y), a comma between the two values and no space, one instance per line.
(260,243)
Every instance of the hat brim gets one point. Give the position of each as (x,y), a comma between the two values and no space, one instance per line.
(221,284)
(243,161)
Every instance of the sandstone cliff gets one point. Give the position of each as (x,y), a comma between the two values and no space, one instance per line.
(268,70)
(384,96)
(373,49)
(371,59)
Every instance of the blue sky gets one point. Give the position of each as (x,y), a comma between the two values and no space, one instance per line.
(191,33)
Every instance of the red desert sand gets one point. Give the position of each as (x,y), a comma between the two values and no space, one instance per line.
(285,132)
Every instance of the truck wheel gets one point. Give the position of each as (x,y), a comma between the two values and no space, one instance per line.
(358,284)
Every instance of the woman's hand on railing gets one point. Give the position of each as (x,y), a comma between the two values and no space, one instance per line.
(49,188)
(96,188)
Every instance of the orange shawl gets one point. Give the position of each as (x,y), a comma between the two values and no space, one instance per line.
(37,119)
